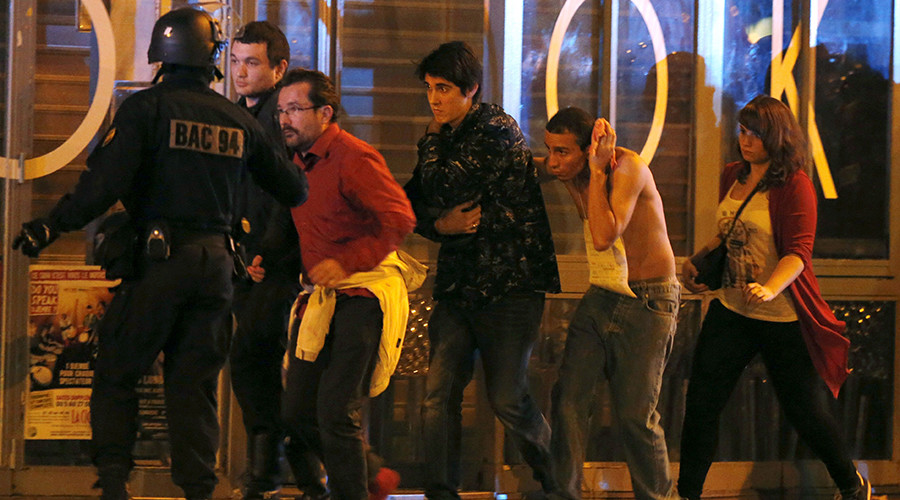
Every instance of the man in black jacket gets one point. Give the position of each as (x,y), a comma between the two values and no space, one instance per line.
(475,191)
(260,55)
(174,156)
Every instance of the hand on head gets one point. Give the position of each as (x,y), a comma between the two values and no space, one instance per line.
(603,146)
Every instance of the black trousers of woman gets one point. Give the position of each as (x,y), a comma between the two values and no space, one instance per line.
(727,343)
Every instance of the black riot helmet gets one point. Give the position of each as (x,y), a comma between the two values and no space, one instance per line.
(186,36)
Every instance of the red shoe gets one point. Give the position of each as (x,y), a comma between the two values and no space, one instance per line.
(385,482)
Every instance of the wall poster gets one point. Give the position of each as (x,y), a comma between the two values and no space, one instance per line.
(66,304)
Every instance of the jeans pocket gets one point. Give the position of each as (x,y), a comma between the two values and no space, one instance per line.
(662,306)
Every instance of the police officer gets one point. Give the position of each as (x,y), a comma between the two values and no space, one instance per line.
(260,55)
(174,156)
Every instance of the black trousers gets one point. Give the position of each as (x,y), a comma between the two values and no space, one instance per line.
(261,311)
(323,399)
(728,341)
(178,307)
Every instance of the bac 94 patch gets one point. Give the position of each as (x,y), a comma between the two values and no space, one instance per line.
(206,138)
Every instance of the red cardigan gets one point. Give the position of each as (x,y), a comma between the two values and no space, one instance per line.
(792,209)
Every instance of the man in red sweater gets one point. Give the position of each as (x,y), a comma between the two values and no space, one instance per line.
(356,217)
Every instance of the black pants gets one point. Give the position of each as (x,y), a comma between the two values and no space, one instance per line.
(323,399)
(727,343)
(179,307)
(261,311)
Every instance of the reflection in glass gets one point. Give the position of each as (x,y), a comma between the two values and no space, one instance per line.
(747,54)
(580,64)
(298,20)
(580,84)
(852,91)
(637,81)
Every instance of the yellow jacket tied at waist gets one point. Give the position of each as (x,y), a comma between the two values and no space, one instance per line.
(390,282)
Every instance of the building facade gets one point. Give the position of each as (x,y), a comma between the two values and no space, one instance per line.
(669,74)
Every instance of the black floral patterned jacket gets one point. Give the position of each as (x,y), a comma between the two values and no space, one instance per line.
(487,161)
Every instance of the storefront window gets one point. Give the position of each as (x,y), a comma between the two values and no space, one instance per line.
(653,111)
(750,28)
(579,82)
(579,79)
(852,103)
(298,20)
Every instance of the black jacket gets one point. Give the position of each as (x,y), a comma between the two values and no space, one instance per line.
(258,208)
(484,160)
(178,152)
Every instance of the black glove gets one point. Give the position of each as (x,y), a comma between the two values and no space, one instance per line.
(35,236)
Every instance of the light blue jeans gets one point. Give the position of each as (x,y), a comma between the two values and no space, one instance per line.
(627,341)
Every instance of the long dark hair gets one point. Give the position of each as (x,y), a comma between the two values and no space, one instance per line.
(782,137)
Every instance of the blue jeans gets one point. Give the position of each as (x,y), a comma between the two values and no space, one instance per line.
(504,332)
(627,341)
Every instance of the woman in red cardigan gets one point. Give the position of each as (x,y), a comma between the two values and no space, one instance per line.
(769,302)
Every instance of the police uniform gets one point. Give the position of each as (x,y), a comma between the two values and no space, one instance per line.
(261,311)
(176,153)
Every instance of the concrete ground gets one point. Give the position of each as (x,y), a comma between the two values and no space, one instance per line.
(417,495)
(294,494)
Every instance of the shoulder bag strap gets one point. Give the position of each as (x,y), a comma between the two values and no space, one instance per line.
(741,209)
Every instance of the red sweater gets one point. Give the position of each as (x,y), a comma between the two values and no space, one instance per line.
(792,209)
(356,212)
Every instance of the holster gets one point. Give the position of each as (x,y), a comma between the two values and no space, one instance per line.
(239,254)
(157,241)
(115,246)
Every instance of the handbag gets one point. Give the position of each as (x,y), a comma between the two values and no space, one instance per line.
(711,267)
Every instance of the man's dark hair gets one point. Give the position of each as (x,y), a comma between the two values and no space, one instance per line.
(456,63)
(575,121)
(321,88)
(782,138)
(277,47)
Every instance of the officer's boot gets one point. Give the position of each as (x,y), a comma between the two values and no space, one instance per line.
(265,467)
(112,480)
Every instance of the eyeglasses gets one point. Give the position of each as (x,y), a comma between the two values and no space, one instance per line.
(742,130)
(292,110)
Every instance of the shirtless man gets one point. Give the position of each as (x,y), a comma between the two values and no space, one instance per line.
(624,325)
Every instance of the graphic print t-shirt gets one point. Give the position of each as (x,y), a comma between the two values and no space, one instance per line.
(751,258)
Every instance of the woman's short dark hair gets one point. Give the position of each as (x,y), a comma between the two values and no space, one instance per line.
(782,138)
(575,121)
(456,63)
(277,47)
(321,88)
